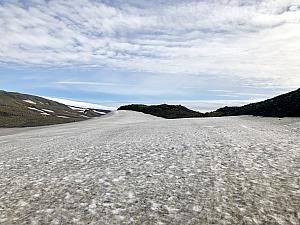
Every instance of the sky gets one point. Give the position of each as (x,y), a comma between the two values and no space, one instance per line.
(202,54)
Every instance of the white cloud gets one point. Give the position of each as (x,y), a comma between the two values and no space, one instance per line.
(86,83)
(237,38)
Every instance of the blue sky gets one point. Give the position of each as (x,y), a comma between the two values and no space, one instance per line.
(202,54)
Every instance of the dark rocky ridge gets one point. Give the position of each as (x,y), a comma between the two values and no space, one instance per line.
(164,110)
(286,105)
(22,110)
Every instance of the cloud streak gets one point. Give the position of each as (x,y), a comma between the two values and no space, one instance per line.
(239,38)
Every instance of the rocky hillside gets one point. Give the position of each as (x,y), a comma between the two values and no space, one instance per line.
(164,110)
(22,110)
(286,105)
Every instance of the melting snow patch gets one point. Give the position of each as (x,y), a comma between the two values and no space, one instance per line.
(77,109)
(48,110)
(65,117)
(35,109)
(45,114)
(30,102)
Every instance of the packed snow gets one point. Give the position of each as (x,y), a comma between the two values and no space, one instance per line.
(132,168)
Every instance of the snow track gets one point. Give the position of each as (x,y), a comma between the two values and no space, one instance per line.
(131,168)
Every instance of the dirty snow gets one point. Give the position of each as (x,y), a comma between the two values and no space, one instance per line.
(131,168)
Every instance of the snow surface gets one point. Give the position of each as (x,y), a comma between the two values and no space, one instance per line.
(80,104)
(132,168)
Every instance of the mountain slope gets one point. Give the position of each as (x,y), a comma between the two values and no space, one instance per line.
(286,105)
(164,110)
(22,110)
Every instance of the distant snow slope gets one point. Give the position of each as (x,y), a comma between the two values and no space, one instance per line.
(81,104)
(129,117)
